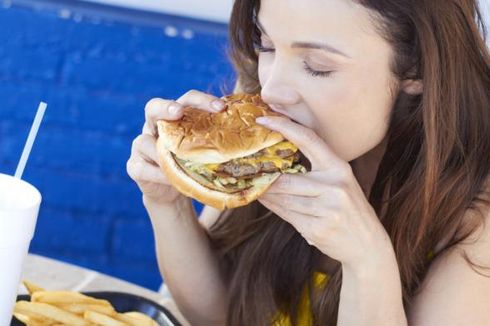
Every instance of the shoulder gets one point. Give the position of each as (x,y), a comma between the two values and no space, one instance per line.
(453,291)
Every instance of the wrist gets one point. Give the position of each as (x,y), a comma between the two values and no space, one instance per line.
(373,265)
(152,202)
(375,290)
(177,209)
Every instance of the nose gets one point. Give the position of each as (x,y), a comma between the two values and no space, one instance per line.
(277,88)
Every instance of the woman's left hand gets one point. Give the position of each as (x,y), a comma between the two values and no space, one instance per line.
(326,205)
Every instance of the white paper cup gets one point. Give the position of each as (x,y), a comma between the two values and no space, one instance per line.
(19,207)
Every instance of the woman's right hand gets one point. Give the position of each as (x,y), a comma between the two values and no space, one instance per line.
(142,165)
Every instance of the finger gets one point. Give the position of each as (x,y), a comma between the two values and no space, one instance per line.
(310,144)
(203,101)
(298,204)
(297,184)
(301,222)
(160,109)
(147,130)
(141,171)
(145,146)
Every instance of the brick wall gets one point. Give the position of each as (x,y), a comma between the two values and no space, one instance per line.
(96,67)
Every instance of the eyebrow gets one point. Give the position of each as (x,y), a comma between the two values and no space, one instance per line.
(307,45)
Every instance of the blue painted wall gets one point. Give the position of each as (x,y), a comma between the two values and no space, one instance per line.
(96,71)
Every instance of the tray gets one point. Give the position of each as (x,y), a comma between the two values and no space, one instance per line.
(124,302)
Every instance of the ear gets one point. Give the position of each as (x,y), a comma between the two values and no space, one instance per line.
(412,86)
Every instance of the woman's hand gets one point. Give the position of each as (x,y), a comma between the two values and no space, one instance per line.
(142,166)
(327,205)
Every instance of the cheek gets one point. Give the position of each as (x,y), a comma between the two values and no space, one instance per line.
(353,116)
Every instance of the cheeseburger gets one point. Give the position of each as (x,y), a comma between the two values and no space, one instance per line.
(225,159)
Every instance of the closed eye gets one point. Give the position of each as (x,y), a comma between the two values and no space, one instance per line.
(260,48)
(316,73)
(308,69)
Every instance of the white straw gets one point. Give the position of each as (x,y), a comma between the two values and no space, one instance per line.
(30,140)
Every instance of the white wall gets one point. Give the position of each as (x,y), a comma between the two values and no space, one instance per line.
(214,10)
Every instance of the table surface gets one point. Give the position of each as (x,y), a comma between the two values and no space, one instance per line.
(56,275)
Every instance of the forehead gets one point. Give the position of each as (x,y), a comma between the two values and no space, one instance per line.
(339,21)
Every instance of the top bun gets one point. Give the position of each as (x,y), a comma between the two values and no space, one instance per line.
(205,137)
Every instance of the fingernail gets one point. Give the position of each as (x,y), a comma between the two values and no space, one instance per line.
(262,120)
(174,109)
(218,105)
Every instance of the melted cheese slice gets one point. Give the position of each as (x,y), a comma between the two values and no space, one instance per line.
(269,156)
(283,146)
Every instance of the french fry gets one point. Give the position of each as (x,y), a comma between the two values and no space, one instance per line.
(31,287)
(62,297)
(129,320)
(141,316)
(40,322)
(101,319)
(33,319)
(80,308)
(21,317)
(135,318)
(49,311)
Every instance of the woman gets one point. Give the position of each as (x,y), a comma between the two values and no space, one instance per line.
(390,102)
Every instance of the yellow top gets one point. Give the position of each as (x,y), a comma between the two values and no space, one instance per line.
(304,313)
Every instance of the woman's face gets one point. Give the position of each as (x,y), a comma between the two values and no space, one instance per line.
(341,91)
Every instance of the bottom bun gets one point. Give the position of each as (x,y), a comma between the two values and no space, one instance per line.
(217,199)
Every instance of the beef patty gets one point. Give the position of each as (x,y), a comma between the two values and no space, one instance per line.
(238,170)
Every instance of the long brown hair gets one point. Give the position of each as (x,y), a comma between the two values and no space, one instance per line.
(432,174)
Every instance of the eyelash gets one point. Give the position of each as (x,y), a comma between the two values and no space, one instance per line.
(307,68)
(316,73)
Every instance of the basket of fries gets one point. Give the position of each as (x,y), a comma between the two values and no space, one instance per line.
(56,308)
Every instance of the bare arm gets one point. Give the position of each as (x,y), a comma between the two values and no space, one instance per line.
(372,296)
(452,293)
(187,263)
